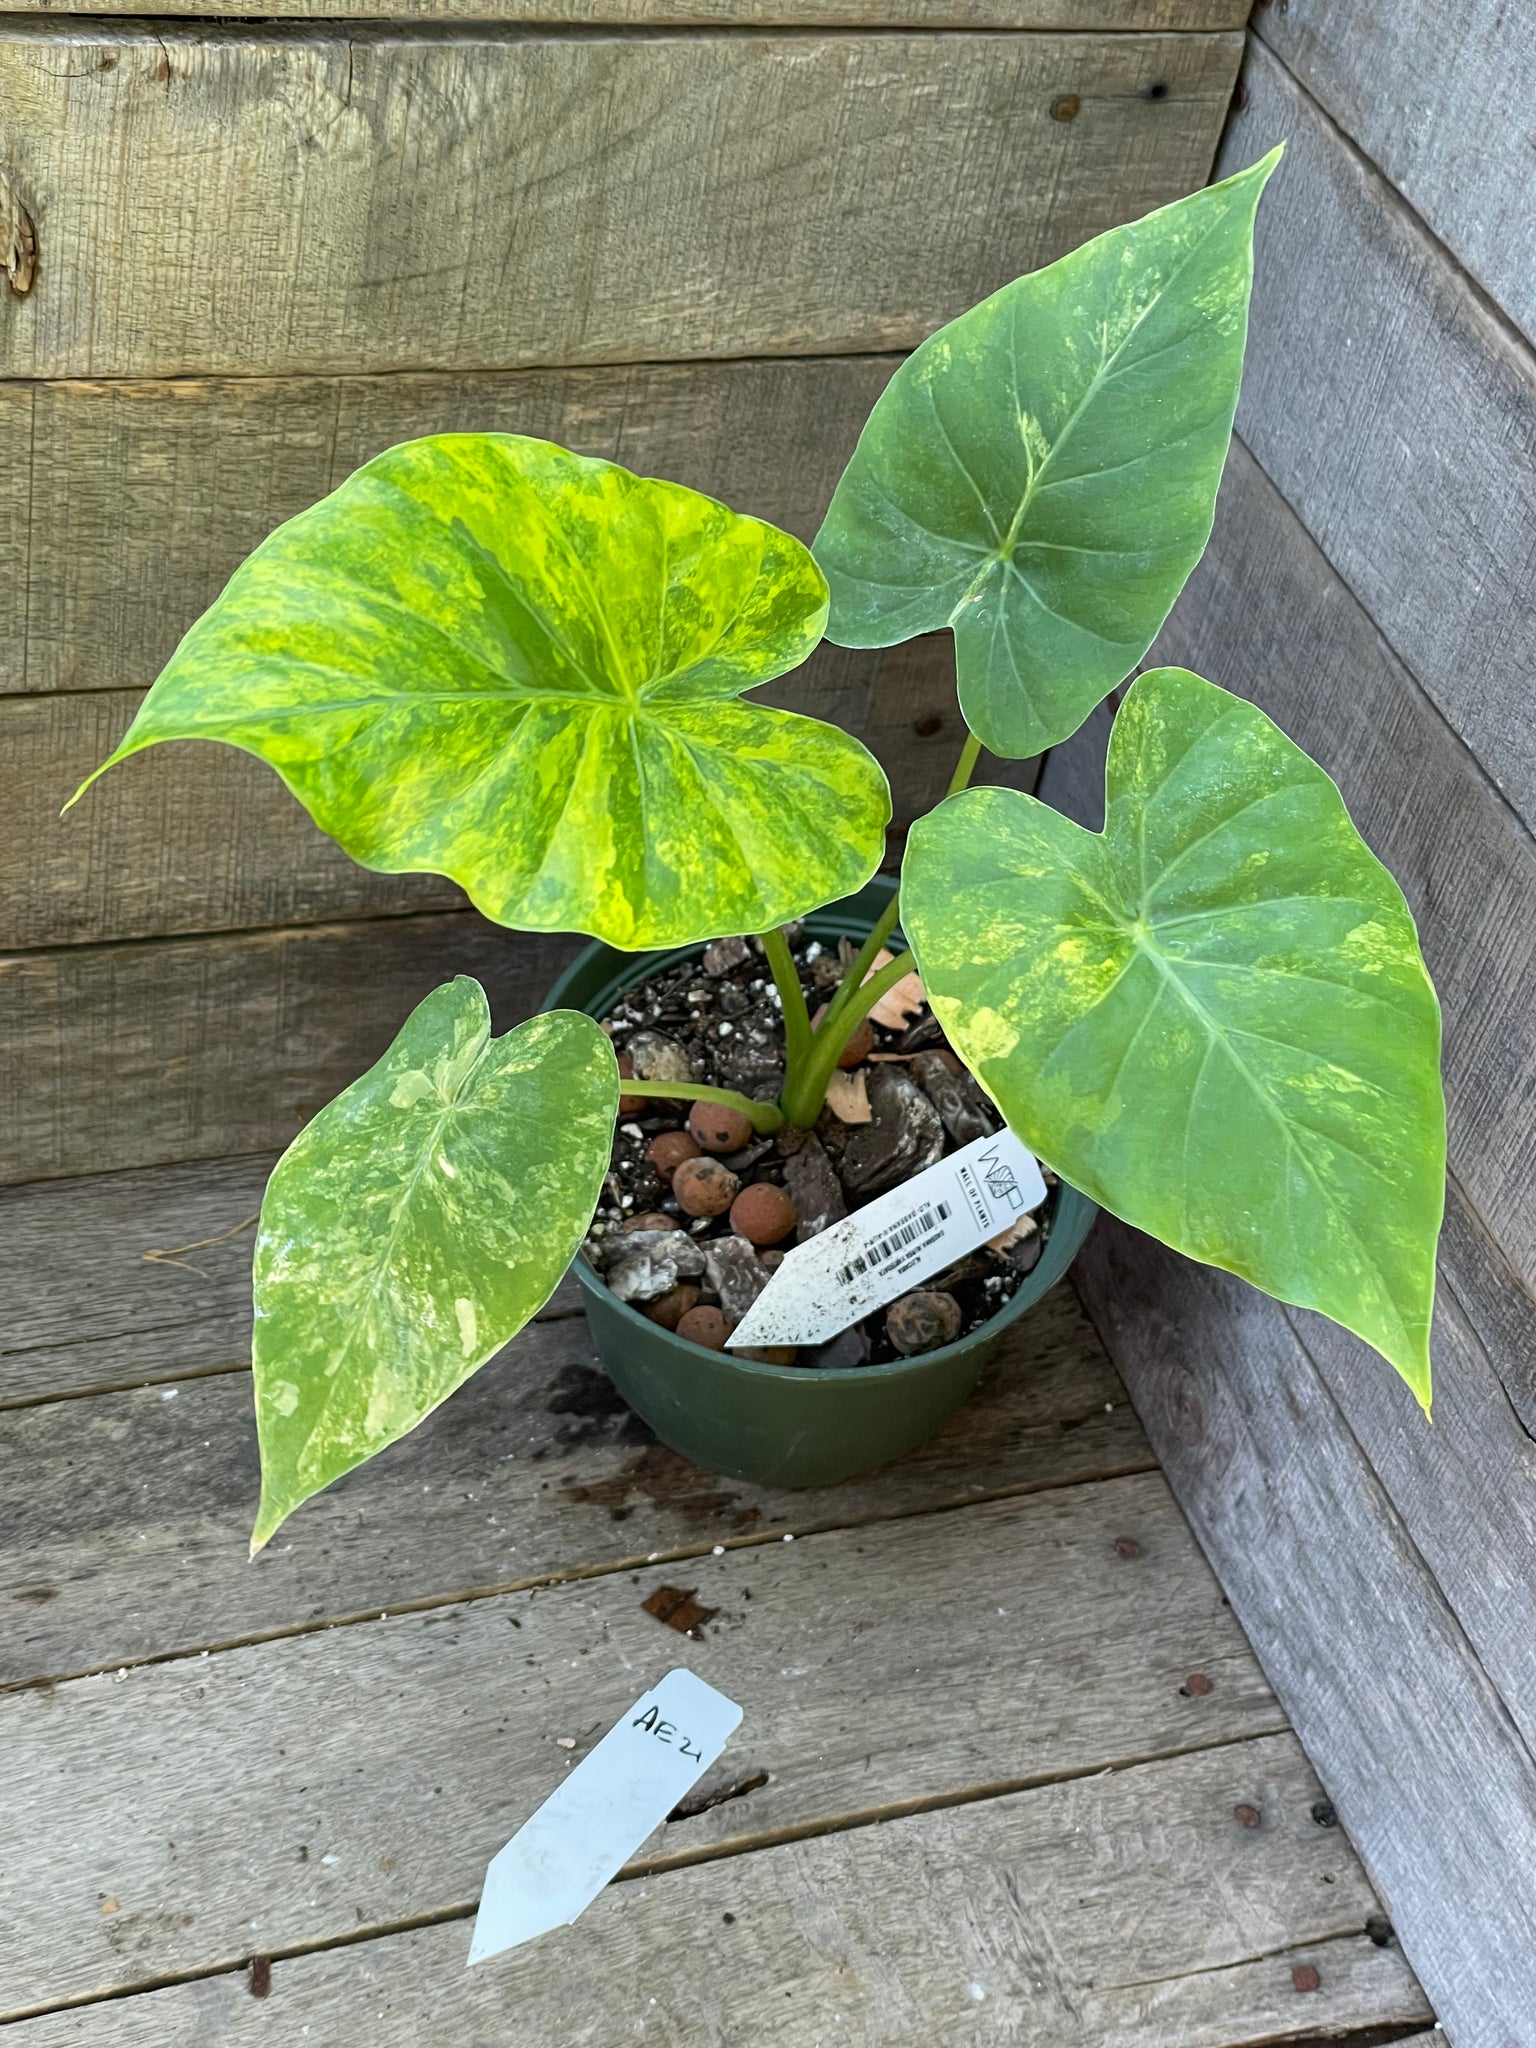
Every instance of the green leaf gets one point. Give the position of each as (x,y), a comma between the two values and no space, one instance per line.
(1213,1017)
(1041,474)
(415,1226)
(488,658)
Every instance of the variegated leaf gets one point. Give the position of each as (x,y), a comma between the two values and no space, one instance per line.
(415,1225)
(1213,1017)
(1040,475)
(521,668)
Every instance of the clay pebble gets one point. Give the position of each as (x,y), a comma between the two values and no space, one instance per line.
(706,1326)
(716,1127)
(704,1187)
(763,1214)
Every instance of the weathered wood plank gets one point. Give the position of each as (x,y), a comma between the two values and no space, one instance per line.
(141,498)
(133,1055)
(1397,413)
(1498,1304)
(1407,1730)
(83,1304)
(212,201)
(1265,615)
(1465,1489)
(206,838)
(124,1518)
(1127,1911)
(407,1749)
(1438,105)
(395,1990)
(1119,15)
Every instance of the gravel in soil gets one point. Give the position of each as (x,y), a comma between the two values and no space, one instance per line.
(696,1212)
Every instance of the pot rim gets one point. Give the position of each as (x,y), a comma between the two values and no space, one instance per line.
(1072,1219)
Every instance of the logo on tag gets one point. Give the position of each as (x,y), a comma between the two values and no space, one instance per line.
(1002,1182)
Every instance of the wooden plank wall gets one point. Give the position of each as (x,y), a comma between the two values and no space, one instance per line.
(1369,584)
(692,235)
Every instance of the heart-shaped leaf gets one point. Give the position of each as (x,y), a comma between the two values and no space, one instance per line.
(415,1225)
(1213,1017)
(488,658)
(1040,475)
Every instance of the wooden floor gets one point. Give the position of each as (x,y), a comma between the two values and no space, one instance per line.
(1008,1770)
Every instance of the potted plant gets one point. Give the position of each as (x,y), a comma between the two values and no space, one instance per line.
(527,670)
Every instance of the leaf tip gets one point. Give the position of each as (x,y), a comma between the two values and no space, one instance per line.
(94,775)
(269,1519)
(1412,1364)
(1260,171)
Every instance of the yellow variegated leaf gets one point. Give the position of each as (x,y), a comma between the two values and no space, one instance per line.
(488,658)
(1213,1017)
(415,1225)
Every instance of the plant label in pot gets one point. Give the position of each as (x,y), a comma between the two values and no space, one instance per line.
(875,1255)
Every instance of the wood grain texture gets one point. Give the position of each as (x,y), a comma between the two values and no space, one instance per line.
(1397,414)
(242,1757)
(205,839)
(253,200)
(395,1990)
(136,1279)
(1441,115)
(1407,1731)
(1465,1490)
(138,500)
(136,1055)
(1127,1911)
(124,1518)
(1116,15)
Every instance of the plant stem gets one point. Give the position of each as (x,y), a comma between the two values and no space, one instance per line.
(965,767)
(863,960)
(797,1019)
(766,1117)
(809,1068)
(805,1092)
(870,992)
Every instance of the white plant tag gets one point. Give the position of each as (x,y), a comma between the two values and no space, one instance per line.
(892,1243)
(563,1856)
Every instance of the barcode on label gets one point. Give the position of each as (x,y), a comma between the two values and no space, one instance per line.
(923,1224)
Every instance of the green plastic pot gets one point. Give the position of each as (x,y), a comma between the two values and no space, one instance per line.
(774,1424)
